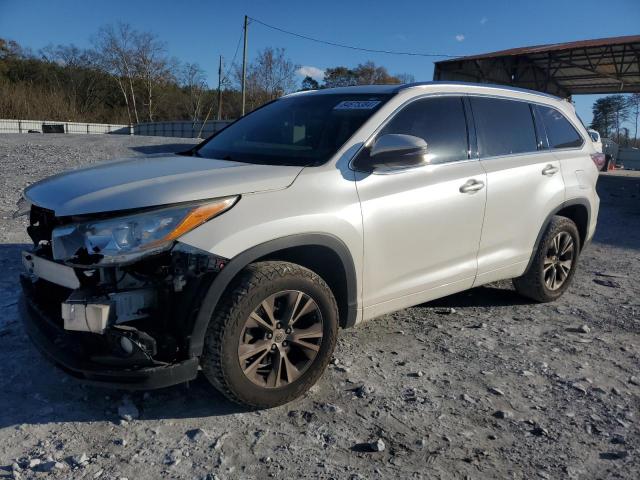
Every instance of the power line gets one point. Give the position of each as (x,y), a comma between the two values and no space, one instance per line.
(233,61)
(220,81)
(351,47)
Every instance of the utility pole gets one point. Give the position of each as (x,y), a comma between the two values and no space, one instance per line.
(220,89)
(244,65)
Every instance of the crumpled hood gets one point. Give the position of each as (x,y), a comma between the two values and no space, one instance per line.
(153,180)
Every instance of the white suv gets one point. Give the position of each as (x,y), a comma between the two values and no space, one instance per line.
(243,256)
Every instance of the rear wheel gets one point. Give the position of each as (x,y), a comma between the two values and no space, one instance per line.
(273,335)
(554,263)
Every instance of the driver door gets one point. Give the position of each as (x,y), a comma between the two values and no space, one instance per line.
(422,225)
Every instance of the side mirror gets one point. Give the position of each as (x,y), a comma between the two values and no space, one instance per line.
(396,151)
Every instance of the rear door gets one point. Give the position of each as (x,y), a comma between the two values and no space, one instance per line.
(524,183)
(568,146)
(422,225)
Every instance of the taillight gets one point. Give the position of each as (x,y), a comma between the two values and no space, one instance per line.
(599,159)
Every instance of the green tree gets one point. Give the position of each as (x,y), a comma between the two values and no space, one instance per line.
(339,77)
(367,73)
(309,83)
(609,114)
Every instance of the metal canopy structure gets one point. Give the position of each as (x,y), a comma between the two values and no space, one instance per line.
(606,65)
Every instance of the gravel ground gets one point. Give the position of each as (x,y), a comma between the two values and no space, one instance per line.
(483,384)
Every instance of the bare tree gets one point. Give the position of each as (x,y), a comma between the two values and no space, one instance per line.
(193,80)
(270,76)
(634,105)
(405,77)
(78,79)
(116,47)
(152,67)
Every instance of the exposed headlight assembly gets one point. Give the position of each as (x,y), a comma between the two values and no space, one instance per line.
(124,239)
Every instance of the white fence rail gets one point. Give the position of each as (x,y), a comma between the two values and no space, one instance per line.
(24,126)
(184,129)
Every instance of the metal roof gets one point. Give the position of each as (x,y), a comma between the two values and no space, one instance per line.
(606,65)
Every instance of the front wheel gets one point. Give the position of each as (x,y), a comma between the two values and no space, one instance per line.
(273,335)
(554,263)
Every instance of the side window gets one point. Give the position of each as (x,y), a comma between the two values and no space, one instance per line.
(440,121)
(560,132)
(504,127)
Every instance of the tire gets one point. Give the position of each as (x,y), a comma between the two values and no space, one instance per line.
(534,284)
(258,283)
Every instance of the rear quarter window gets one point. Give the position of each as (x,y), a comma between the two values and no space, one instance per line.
(560,132)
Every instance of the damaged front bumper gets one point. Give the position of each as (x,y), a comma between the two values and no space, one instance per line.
(126,327)
(58,346)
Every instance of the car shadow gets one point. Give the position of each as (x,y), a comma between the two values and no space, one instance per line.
(494,295)
(164,148)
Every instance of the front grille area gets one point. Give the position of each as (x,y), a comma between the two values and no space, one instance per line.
(45,298)
(48,297)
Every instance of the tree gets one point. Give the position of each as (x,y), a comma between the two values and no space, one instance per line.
(367,73)
(194,82)
(609,114)
(634,107)
(406,78)
(339,77)
(151,67)
(310,83)
(269,76)
(620,112)
(10,49)
(77,77)
(116,49)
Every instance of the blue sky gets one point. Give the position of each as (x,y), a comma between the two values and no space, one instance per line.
(200,30)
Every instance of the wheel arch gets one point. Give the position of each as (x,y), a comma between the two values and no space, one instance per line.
(578,210)
(316,251)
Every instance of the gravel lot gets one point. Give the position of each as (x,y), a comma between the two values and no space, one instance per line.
(482,384)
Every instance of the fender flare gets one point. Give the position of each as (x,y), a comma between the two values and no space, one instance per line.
(240,261)
(574,201)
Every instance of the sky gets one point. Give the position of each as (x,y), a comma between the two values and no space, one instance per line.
(200,30)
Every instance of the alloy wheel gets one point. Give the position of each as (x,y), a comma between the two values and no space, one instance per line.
(280,339)
(559,260)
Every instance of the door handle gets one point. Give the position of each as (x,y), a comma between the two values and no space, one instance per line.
(471,186)
(549,170)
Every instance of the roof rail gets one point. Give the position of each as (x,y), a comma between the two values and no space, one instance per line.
(474,84)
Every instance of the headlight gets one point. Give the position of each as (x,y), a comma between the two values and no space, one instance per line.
(123,239)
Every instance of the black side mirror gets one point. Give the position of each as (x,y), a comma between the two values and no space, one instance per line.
(393,151)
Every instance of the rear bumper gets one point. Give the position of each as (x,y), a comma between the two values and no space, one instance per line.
(56,345)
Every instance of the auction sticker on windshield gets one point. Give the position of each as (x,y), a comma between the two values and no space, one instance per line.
(357,105)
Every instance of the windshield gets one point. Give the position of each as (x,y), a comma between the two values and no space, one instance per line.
(301,130)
